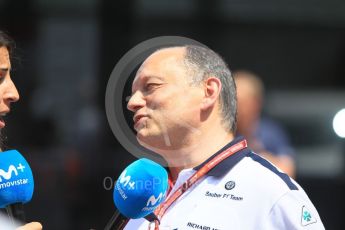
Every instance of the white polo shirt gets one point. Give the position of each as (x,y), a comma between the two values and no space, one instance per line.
(243,192)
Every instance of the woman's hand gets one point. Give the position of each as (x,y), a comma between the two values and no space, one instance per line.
(31,226)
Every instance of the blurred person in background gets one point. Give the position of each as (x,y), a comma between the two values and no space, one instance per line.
(265,136)
(8,94)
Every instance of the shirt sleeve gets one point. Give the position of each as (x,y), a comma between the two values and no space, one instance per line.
(294,211)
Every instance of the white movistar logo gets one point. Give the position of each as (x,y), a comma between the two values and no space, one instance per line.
(126,180)
(7,175)
(152,201)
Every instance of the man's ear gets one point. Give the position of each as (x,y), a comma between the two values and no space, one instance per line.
(212,87)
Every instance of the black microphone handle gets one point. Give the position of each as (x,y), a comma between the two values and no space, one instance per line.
(16,212)
(116,222)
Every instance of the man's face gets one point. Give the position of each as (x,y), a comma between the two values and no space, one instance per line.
(8,91)
(166,107)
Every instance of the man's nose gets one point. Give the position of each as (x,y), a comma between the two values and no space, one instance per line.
(136,102)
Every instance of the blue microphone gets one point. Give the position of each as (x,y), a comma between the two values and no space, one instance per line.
(16,183)
(139,190)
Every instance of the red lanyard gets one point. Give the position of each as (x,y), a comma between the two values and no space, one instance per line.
(160,211)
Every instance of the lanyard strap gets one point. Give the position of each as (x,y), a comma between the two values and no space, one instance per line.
(160,211)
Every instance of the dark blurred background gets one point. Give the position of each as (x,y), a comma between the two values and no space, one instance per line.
(66,51)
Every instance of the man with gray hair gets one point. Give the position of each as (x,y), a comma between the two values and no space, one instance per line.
(184,104)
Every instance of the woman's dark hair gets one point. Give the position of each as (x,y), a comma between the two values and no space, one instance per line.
(6,41)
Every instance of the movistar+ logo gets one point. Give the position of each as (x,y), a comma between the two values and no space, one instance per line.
(152,202)
(7,175)
(126,180)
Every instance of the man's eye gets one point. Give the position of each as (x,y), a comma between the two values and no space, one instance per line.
(151,86)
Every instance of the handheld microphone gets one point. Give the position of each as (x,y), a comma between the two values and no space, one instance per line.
(139,190)
(16,184)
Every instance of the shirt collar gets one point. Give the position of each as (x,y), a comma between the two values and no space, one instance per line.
(224,166)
